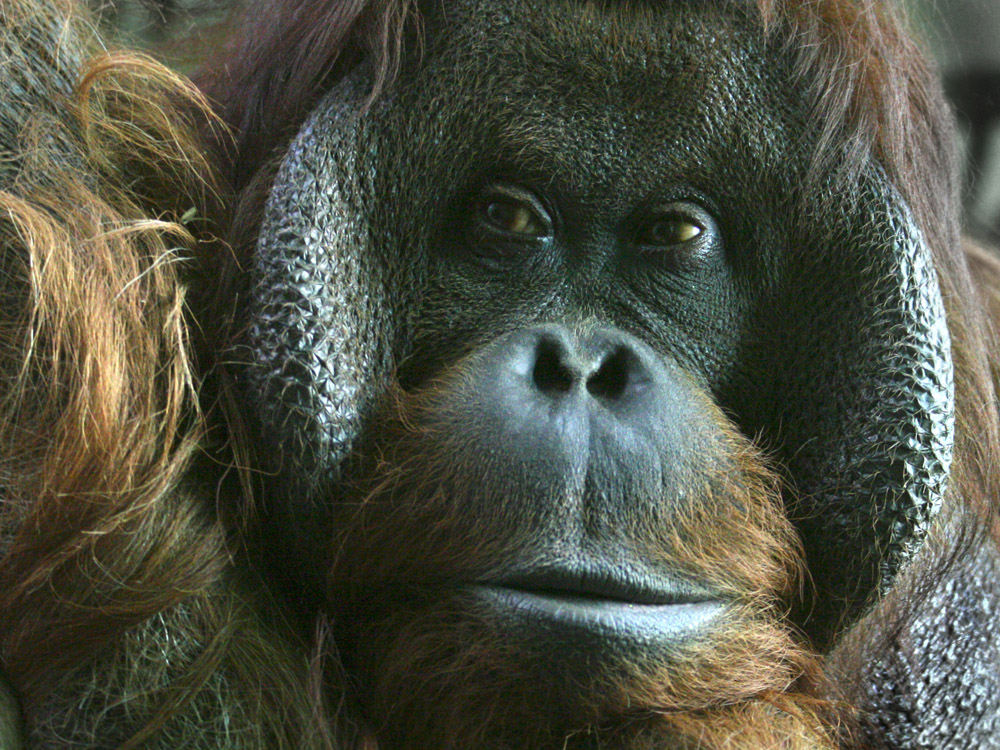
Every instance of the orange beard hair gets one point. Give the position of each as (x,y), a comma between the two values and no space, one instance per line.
(443,673)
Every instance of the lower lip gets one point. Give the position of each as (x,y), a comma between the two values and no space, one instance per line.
(659,624)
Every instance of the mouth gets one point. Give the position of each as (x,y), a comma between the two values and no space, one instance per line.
(621,607)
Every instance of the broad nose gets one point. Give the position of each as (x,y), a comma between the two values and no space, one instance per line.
(556,374)
(573,414)
(607,366)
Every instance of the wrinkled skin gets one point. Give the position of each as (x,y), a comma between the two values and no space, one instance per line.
(387,260)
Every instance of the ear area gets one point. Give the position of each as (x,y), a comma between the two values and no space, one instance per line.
(868,389)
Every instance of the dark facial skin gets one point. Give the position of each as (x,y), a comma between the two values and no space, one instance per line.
(515,328)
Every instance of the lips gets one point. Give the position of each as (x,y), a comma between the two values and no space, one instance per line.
(625,587)
(622,607)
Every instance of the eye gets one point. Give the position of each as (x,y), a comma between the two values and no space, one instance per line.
(670,228)
(512,213)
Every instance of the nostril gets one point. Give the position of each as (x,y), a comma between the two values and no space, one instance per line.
(551,373)
(613,376)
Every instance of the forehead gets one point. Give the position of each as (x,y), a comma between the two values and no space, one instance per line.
(623,43)
(620,45)
(570,80)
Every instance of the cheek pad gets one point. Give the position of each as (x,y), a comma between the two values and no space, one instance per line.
(866,395)
(320,308)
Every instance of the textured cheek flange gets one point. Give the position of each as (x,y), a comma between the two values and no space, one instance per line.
(921,408)
(320,310)
(867,401)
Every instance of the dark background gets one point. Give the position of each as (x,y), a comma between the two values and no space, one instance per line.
(965,37)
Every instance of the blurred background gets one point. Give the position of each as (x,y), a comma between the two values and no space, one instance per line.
(963,35)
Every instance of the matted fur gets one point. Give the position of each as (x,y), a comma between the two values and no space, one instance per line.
(116,580)
(126,610)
